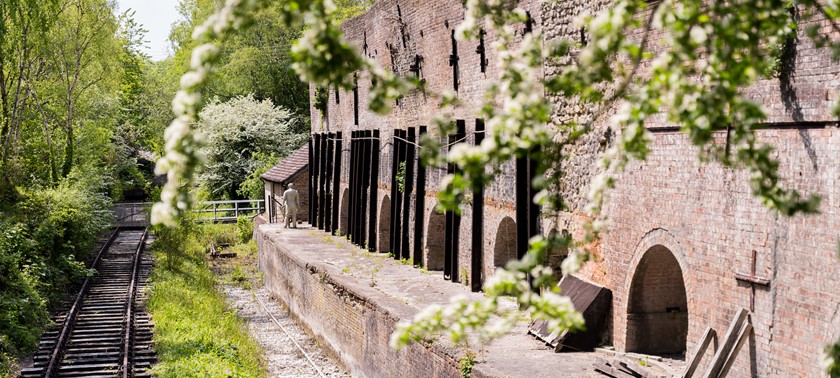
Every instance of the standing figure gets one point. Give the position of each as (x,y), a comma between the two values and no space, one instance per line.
(291,203)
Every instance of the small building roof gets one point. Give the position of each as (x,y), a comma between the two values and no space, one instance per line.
(289,167)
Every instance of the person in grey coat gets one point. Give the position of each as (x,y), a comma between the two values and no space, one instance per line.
(291,203)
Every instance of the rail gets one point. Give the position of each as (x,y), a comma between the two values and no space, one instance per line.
(70,318)
(229,211)
(222,211)
(97,335)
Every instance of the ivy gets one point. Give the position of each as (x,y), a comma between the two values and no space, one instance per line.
(401,178)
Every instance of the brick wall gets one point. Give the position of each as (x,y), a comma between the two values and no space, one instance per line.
(393,37)
(699,218)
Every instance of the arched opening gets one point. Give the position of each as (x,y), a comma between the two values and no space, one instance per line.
(657,310)
(345,212)
(435,241)
(505,248)
(384,244)
(558,249)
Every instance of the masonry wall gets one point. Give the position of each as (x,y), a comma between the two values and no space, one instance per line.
(702,214)
(349,316)
(393,38)
(706,217)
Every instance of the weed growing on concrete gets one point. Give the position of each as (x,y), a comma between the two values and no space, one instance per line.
(464,276)
(467,363)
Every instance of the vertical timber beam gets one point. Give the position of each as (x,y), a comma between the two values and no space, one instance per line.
(534,209)
(476,280)
(394,167)
(336,204)
(448,223)
(374,191)
(522,206)
(322,181)
(460,133)
(397,201)
(419,206)
(328,175)
(351,219)
(365,182)
(317,173)
(356,180)
(311,179)
(408,158)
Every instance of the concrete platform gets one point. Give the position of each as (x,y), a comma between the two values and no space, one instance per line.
(352,300)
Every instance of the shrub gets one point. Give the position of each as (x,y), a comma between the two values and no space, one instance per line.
(45,240)
(245,228)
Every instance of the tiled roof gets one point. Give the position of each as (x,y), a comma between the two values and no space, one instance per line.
(288,167)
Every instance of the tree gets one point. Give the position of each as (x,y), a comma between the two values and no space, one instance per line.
(82,35)
(243,135)
(23,27)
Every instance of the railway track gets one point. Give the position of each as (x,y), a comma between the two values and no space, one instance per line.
(106,331)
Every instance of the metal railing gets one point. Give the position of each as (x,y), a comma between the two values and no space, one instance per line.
(229,211)
(222,211)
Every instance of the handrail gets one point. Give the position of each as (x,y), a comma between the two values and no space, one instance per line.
(252,207)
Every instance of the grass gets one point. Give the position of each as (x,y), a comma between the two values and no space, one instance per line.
(196,334)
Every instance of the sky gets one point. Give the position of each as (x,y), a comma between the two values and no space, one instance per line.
(157,17)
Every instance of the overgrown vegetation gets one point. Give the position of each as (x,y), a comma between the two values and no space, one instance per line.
(196,334)
(46,240)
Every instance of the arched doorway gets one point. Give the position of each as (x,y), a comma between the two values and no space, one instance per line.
(384,244)
(435,241)
(657,310)
(345,212)
(505,247)
(558,250)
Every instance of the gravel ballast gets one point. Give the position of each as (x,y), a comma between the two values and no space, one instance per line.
(283,358)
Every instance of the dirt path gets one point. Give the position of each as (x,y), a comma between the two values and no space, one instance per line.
(283,358)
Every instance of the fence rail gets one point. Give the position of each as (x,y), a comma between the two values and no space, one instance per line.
(229,211)
(222,211)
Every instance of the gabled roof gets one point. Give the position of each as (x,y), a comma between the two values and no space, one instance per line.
(289,167)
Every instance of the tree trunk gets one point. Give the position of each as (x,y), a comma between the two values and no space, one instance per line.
(68,152)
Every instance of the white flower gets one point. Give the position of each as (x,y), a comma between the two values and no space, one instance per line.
(203,54)
(698,34)
(572,263)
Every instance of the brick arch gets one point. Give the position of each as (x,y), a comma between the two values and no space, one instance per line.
(659,280)
(557,252)
(384,244)
(504,249)
(435,240)
(344,214)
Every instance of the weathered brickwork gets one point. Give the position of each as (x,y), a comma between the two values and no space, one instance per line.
(393,33)
(679,230)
